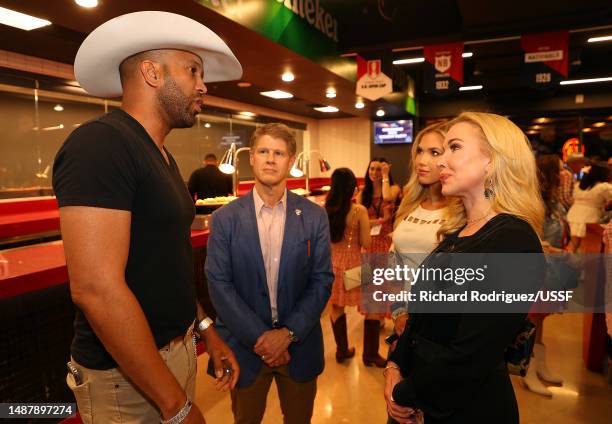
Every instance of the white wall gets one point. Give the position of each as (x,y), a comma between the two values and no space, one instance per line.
(344,143)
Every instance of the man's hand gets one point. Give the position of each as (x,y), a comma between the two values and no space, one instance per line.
(220,353)
(401,414)
(282,360)
(271,344)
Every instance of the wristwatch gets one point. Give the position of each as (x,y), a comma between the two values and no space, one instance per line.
(204,324)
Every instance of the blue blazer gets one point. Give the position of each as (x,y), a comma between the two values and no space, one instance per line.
(239,291)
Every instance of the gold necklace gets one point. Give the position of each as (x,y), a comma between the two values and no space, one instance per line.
(469,222)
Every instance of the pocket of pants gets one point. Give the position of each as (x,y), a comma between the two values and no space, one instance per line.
(82,396)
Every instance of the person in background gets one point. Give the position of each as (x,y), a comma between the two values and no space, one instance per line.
(565,188)
(555,237)
(269,276)
(208,181)
(590,196)
(422,210)
(350,233)
(380,212)
(125,216)
(450,366)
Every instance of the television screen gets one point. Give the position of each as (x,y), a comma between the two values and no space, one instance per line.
(393,132)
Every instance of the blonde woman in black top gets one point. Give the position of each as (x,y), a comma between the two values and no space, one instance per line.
(450,367)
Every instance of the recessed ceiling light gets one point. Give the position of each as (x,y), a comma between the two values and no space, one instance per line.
(207,125)
(21,20)
(536,127)
(380,113)
(287,77)
(277,94)
(599,124)
(467,54)
(330,93)
(600,39)
(58,108)
(244,84)
(585,81)
(587,129)
(87,3)
(327,109)
(247,114)
(359,105)
(542,120)
(470,87)
(532,132)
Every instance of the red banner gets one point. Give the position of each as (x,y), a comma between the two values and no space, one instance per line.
(545,60)
(443,70)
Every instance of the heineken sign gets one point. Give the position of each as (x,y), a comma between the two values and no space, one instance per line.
(315,15)
(308,27)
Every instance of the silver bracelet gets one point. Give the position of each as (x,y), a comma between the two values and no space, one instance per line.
(180,416)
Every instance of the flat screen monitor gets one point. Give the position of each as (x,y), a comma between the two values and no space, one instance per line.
(393,132)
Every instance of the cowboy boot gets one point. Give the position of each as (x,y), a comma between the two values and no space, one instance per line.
(371,332)
(539,352)
(343,352)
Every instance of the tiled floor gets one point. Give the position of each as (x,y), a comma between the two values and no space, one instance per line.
(352,393)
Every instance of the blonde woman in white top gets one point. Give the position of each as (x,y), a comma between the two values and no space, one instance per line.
(423,208)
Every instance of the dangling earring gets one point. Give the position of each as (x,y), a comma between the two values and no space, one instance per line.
(488,191)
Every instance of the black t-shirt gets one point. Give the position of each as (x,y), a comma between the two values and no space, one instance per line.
(112,162)
(209,182)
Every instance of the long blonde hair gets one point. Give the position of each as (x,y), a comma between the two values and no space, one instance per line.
(414,193)
(514,177)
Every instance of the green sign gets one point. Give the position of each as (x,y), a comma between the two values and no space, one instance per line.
(306,27)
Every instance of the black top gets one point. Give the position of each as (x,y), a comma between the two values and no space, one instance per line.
(209,182)
(112,162)
(453,364)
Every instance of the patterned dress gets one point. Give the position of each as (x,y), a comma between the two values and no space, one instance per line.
(382,242)
(346,254)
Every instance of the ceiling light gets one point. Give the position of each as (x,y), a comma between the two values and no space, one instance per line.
(87,3)
(585,81)
(587,129)
(470,87)
(277,94)
(599,124)
(532,132)
(207,125)
(326,109)
(422,59)
(542,120)
(330,93)
(359,105)
(380,113)
(58,108)
(409,60)
(244,84)
(287,77)
(536,127)
(600,39)
(21,20)
(247,114)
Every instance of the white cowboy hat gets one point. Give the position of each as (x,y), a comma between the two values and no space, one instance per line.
(96,65)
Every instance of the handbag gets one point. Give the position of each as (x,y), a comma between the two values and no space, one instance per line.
(518,354)
(352,276)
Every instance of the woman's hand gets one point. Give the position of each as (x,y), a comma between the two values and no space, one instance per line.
(401,414)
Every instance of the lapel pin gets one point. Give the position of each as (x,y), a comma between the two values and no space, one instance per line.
(298,212)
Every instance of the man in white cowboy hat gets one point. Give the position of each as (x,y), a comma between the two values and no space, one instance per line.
(126,214)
